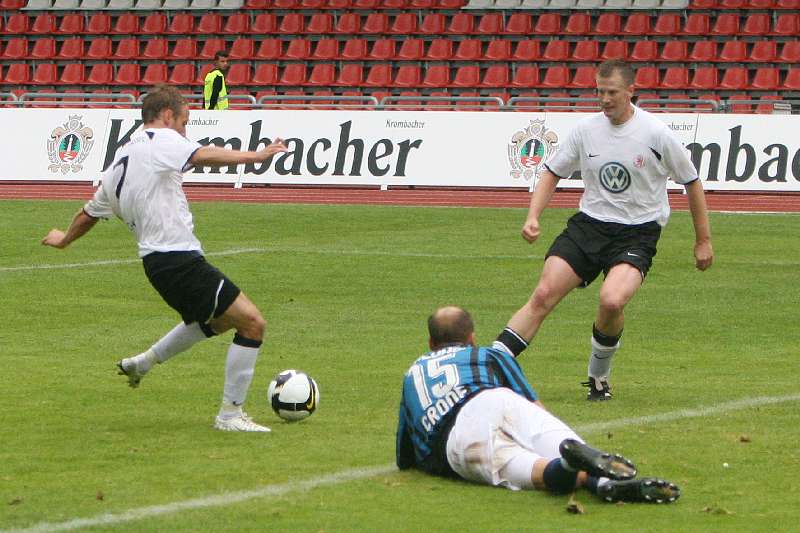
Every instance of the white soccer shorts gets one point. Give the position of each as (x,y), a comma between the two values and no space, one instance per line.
(498,436)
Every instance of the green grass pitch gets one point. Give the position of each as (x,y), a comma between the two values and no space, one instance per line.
(346,291)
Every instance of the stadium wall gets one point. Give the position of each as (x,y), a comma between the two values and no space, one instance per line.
(393,148)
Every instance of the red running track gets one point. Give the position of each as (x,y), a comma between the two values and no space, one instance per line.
(717,201)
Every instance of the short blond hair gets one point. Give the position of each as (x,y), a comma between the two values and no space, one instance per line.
(160,98)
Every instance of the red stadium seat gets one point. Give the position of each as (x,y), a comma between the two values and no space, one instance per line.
(411,50)
(725,24)
(298,49)
(44,24)
(127,49)
(787,4)
(608,24)
(382,49)
(760,4)
(733,52)
(71,24)
(519,23)
(236,24)
(469,50)
(380,75)
(404,24)
(291,23)
(210,23)
(155,49)
(439,76)
(647,78)
(461,24)
(376,23)
(365,4)
(499,50)
(320,23)
(697,24)
(675,78)
(326,49)
(757,24)
(490,24)
(705,79)
(16,49)
(293,74)
(433,24)
(103,74)
(440,50)
(615,50)
(350,75)
(742,108)
(578,24)
(322,75)
(127,74)
(269,49)
(154,23)
(496,76)
(265,74)
(355,49)
(211,47)
(17,74)
(731,4)
(556,77)
(71,49)
(184,49)
(264,24)
(556,51)
(349,23)
(644,51)
(182,74)
(243,48)
(586,51)
(584,78)
(181,24)
(790,52)
(525,77)
(766,79)
(239,74)
(734,79)
(18,23)
(548,24)
(637,24)
(43,49)
(702,51)
(787,24)
(792,81)
(766,51)
(285,4)
(155,73)
(127,23)
(408,76)
(667,24)
(45,74)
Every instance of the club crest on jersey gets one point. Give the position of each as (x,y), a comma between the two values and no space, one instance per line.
(69,145)
(529,148)
(614,177)
(639,161)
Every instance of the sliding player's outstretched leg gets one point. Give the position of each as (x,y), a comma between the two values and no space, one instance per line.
(580,456)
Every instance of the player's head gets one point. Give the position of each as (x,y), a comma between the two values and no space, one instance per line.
(450,325)
(221,60)
(615,84)
(165,107)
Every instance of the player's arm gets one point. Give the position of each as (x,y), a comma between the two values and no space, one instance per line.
(215,156)
(539,200)
(405,448)
(80,225)
(703,251)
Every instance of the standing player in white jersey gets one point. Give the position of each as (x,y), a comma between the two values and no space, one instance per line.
(143,187)
(625,156)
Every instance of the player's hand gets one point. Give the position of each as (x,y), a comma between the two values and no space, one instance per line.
(530,230)
(274,147)
(703,255)
(54,238)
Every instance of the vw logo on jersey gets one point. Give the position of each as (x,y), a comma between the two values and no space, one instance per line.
(614,177)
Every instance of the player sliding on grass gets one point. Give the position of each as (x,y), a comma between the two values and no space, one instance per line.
(469,412)
(143,188)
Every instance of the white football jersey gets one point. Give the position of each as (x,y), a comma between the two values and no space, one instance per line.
(143,187)
(624,168)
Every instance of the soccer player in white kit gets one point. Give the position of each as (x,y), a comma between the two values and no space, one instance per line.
(143,187)
(625,156)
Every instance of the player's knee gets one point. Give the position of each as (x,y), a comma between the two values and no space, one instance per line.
(612,302)
(253,326)
(543,298)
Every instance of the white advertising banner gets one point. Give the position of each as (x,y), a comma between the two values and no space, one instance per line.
(394,148)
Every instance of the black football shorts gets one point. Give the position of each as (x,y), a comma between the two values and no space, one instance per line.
(190,285)
(591,246)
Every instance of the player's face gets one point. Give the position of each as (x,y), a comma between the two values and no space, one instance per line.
(615,98)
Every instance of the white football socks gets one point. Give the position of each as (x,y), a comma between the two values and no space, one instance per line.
(239,368)
(181,338)
(600,360)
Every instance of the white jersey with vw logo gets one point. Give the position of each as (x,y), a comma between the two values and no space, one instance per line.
(624,168)
(143,187)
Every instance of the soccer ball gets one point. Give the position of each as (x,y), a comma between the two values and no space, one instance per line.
(293,395)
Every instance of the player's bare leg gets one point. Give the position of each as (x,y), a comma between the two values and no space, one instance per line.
(620,285)
(245,317)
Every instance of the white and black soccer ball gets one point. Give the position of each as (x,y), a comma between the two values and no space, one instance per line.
(293,395)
